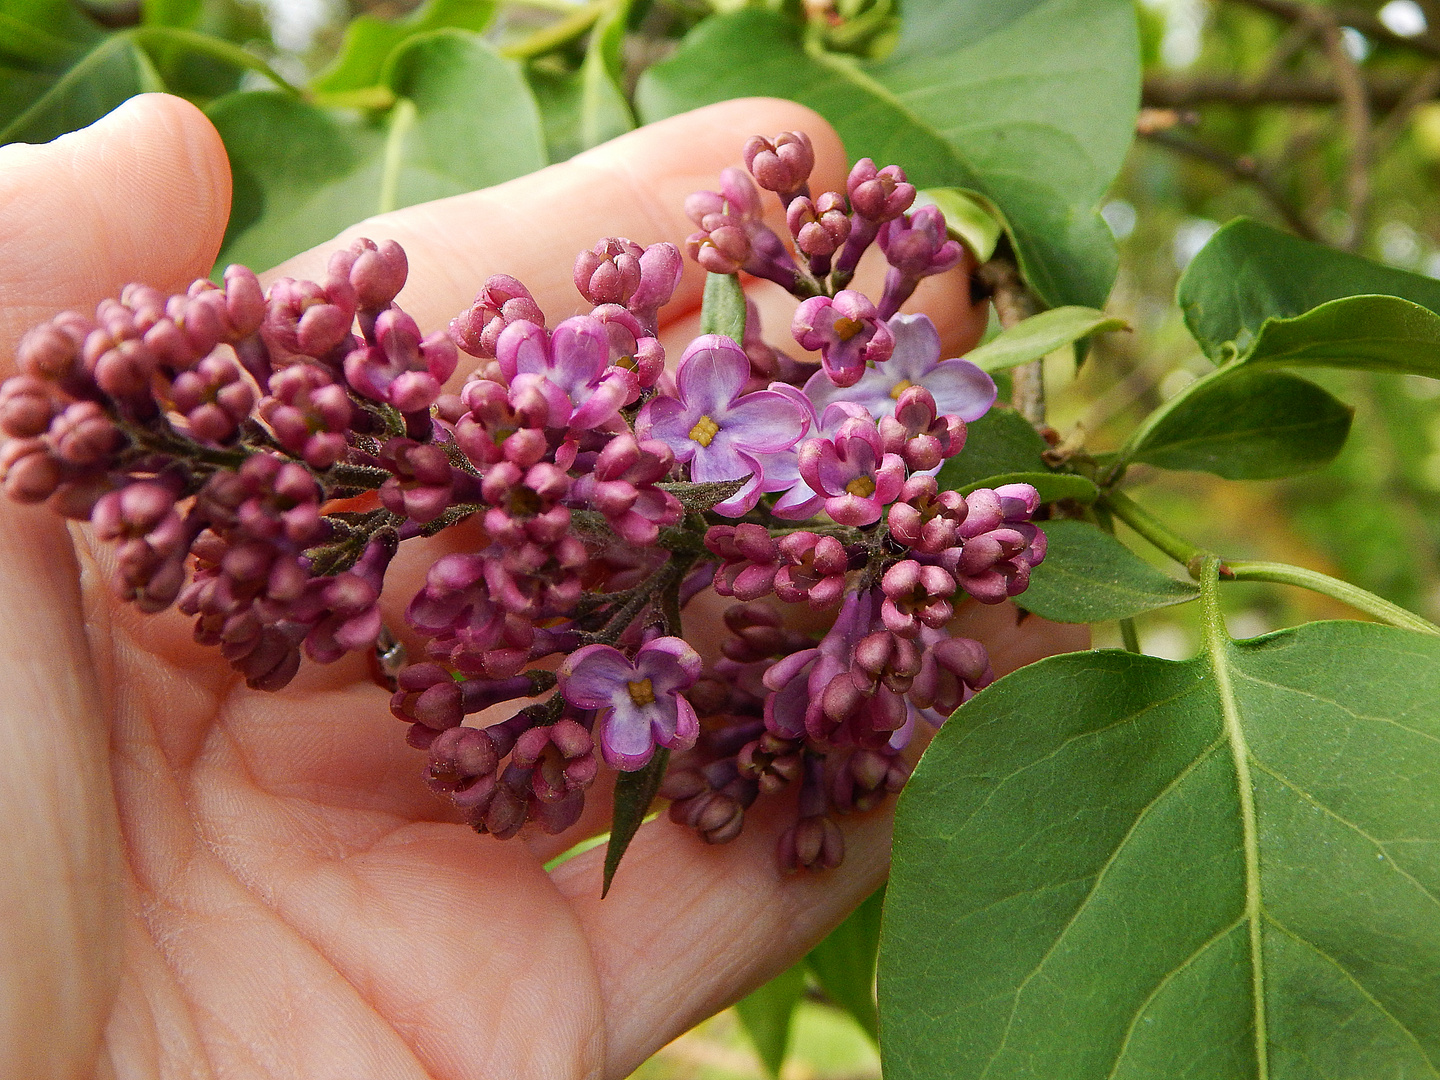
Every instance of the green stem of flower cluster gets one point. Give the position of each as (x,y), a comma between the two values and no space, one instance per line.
(1194,558)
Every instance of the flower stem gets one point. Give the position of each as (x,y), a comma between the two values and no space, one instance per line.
(558,35)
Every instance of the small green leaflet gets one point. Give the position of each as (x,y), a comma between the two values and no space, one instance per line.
(1041,335)
(768,1013)
(723,309)
(634,792)
(844,963)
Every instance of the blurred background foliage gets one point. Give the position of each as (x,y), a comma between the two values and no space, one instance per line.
(1319,119)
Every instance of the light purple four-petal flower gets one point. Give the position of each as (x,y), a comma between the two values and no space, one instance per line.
(715,427)
(958,386)
(640,703)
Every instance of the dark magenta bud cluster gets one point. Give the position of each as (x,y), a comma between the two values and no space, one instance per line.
(257,458)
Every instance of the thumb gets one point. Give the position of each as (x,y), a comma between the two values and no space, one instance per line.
(140,195)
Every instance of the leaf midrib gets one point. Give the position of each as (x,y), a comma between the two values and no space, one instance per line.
(1217,656)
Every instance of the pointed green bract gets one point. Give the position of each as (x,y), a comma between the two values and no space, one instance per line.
(634,792)
(1089,576)
(723,308)
(1031,103)
(1104,857)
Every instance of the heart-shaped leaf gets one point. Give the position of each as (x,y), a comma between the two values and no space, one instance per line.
(1109,865)
(1244,423)
(1089,576)
(1028,102)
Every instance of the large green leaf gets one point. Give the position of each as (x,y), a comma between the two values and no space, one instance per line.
(1244,423)
(844,963)
(1110,866)
(464,119)
(39,41)
(1089,576)
(1029,102)
(1249,273)
(1000,443)
(768,1012)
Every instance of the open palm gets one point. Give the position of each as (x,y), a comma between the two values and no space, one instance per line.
(199,879)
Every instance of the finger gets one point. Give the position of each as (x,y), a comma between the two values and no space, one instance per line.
(140,195)
(688,929)
(532,228)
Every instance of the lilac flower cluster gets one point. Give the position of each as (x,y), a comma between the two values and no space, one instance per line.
(257,457)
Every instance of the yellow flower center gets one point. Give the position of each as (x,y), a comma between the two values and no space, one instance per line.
(704,431)
(845,329)
(862,486)
(641,693)
(900,387)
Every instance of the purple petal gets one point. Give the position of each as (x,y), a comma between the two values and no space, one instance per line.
(917,347)
(523,346)
(711,375)
(596,676)
(670,663)
(721,460)
(961,388)
(626,739)
(668,420)
(744,500)
(580,350)
(686,727)
(764,422)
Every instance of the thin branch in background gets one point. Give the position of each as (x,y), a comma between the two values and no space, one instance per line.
(1292,43)
(1355,115)
(1242,168)
(1355,18)
(1386,91)
(1423,90)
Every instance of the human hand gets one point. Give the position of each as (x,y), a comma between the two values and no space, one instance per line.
(206,879)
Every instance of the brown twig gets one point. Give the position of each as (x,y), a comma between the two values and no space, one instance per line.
(1423,89)
(1162,91)
(1015,302)
(1242,168)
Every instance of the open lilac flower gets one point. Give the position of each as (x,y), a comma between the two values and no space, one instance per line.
(853,471)
(640,703)
(847,331)
(576,360)
(958,386)
(715,427)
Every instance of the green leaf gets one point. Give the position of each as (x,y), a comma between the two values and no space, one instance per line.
(1244,423)
(723,309)
(369,41)
(969,217)
(102,80)
(1378,333)
(844,963)
(1089,576)
(1000,443)
(1052,486)
(634,792)
(1117,866)
(584,107)
(1249,273)
(171,12)
(464,119)
(1030,103)
(1040,335)
(767,1014)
